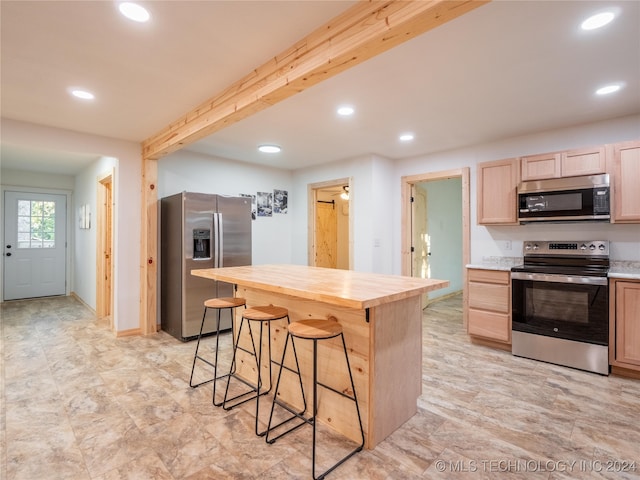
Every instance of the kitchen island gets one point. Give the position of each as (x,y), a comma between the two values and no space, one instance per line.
(381,316)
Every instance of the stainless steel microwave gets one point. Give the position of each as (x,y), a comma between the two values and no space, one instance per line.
(568,199)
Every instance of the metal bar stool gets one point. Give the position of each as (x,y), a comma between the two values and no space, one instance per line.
(315,330)
(263,315)
(219,304)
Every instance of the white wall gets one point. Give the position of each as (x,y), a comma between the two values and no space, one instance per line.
(20,178)
(195,172)
(127,209)
(85,254)
(489,241)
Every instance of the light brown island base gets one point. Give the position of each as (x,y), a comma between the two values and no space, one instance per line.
(382,320)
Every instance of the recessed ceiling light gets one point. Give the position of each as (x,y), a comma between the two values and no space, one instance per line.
(406,137)
(607,89)
(346,110)
(269,148)
(80,93)
(597,21)
(134,12)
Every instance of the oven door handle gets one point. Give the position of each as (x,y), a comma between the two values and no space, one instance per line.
(542,277)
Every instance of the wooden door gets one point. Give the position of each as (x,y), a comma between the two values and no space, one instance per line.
(326,235)
(420,237)
(104,245)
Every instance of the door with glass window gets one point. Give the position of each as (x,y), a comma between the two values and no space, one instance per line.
(34,245)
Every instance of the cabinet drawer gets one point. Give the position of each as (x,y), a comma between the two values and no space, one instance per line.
(489,276)
(496,326)
(486,296)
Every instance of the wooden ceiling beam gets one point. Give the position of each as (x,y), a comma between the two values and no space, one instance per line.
(358,34)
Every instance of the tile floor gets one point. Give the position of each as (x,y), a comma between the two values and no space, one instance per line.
(78,403)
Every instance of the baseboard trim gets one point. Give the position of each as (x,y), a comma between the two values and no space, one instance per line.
(442,297)
(625,372)
(134,332)
(77,297)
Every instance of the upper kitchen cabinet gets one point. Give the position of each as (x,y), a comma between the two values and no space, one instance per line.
(586,161)
(537,167)
(571,163)
(497,183)
(626,178)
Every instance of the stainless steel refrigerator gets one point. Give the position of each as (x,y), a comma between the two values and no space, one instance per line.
(199,230)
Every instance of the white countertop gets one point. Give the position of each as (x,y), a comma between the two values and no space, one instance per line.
(622,269)
(619,268)
(496,263)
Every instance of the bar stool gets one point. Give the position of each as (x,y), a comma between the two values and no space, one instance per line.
(262,315)
(315,330)
(219,304)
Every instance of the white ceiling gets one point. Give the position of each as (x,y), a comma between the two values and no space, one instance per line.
(504,69)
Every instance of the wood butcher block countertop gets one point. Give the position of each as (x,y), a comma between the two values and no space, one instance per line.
(346,288)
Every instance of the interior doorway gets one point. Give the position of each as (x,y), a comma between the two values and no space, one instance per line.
(330,223)
(104,246)
(416,240)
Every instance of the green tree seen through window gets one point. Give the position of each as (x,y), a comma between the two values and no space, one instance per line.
(36,224)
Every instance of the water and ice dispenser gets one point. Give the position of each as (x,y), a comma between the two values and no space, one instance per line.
(201,243)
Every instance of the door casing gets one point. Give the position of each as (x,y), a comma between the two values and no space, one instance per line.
(104,246)
(312,197)
(407,183)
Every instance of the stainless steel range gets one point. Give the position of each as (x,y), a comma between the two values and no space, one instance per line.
(560,304)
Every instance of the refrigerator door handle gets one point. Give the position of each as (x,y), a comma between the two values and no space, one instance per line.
(220,241)
(216,241)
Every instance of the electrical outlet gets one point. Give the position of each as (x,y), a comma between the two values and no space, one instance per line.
(507,244)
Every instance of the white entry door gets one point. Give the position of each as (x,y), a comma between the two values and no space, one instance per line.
(35,245)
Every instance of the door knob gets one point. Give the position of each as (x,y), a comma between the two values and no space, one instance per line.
(8,254)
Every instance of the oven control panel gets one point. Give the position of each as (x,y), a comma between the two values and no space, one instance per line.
(581,247)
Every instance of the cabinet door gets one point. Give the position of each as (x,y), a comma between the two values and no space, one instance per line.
(626,178)
(628,322)
(537,167)
(586,161)
(497,201)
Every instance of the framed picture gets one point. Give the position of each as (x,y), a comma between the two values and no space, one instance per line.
(280,201)
(265,204)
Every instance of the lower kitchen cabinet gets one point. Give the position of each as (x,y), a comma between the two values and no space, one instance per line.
(624,348)
(490,305)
